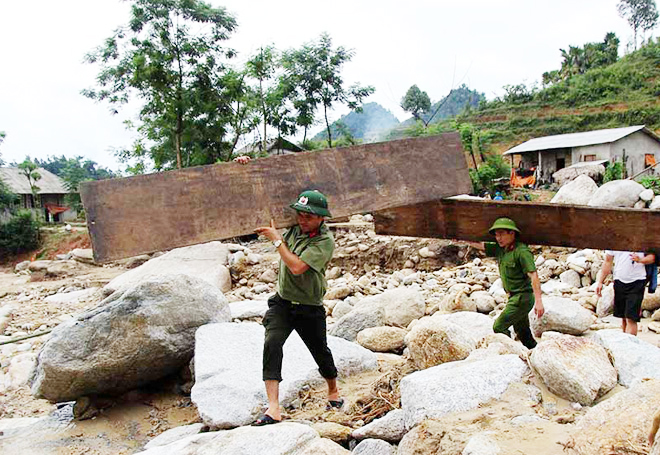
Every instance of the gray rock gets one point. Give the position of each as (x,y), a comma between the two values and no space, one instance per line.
(22,266)
(457,386)
(374,447)
(133,337)
(571,278)
(338,292)
(651,302)
(333,273)
(175,434)
(206,261)
(341,309)
(39,266)
(620,421)
(433,341)
(476,324)
(391,427)
(484,301)
(555,287)
(573,368)
(562,315)
(268,276)
(481,444)
(281,439)
(639,205)
(617,193)
(605,301)
(382,339)
(400,305)
(20,369)
(358,319)
(647,195)
(63,268)
(576,192)
(245,309)
(229,390)
(633,358)
(655,204)
(85,255)
(71,297)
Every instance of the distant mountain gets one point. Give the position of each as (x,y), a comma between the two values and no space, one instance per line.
(452,105)
(368,125)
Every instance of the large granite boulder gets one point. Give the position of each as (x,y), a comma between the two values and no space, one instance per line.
(349,325)
(281,439)
(476,324)
(229,390)
(617,193)
(391,427)
(374,447)
(206,261)
(576,369)
(401,305)
(382,339)
(633,358)
(562,315)
(622,421)
(433,341)
(576,192)
(457,386)
(137,335)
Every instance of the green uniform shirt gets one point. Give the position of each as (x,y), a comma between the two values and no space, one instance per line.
(307,288)
(514,266)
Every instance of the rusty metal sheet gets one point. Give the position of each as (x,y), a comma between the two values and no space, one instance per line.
(541,224)
(156,212)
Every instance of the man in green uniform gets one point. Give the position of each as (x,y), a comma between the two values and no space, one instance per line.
(305,251)
(519,279)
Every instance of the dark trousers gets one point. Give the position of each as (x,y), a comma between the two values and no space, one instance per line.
(280,320)
(516,314)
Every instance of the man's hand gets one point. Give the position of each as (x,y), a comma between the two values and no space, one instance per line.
(599,289)
(539,310)
(243,159)
(270,232)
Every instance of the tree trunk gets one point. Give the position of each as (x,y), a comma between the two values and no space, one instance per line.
(177,139)
(263,112)
(327,125)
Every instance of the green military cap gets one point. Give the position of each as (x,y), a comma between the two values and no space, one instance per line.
(504,223)
(312,201)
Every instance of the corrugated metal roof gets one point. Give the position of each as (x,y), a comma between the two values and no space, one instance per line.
(18,183)
(561,141)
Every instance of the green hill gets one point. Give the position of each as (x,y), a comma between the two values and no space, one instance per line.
(367,126)
(451,105)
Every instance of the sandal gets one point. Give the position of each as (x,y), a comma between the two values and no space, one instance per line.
(265,420)
(334,404)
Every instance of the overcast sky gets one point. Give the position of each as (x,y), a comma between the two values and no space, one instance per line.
(437,45)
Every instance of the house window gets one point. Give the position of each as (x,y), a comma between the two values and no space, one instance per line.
(589,157)
(649,160)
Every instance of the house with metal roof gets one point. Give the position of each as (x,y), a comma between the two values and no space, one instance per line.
(636,146)
(51,193)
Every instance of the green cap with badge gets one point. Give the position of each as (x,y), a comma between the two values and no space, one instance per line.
(312,201)
(504,223)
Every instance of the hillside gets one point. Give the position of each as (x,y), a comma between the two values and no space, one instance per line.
(368,125)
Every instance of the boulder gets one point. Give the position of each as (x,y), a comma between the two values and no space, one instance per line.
(651,302)
(63,268)
(341,309)
(356,320)
(338,292)
(268,276)
(571,278)
(502,344)
(400,305)
(484,301)
(617,193)
(433,341)
(282,439)
(391,427)
(457,301)
(333,431)
(382,339)
(622,421)
(562,315)
(85,255)
(555,287)
(592,170)
(206,261)
(70,297)
(633,358)
(576,369)
(175,434)
(374,447)
(476,324)
(605,301)
(333,273)
(39,266)
(246,309)
(655,204)
(482,444)
(20,369)
(431,438)
(647,195)
(576,192)
(135,336)
(457,386)
(229,390)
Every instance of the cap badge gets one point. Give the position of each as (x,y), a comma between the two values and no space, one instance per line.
(303,200)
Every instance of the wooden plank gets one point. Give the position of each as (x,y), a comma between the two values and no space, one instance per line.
(156,212)
(540,224)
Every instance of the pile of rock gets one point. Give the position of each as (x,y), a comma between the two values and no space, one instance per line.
(617,193)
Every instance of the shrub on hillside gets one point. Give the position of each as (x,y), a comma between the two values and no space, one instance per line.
(614,171)
(483,177)
(19,234)
(652,182)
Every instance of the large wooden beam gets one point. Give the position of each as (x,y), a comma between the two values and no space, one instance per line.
(541,224)
(156,212)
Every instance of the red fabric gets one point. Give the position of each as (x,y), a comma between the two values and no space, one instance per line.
(55,209)
(649,159)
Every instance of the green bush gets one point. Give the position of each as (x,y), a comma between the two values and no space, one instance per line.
(19,234)
(652,182)
(482,178)
(614,171)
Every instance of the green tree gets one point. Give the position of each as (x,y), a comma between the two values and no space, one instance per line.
(262,68)
(326,84)
(170,56)
(642,15)
(29,170)
(241,100)
(416,102)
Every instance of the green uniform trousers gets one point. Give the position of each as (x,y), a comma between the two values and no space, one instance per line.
(516,314)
